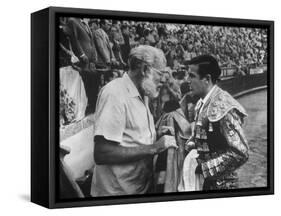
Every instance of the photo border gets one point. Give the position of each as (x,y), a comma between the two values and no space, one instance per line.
(55,13)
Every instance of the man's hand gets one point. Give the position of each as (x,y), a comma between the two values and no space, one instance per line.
(164,143)
(84,59)
(190,144)
(167,130)
(113,61)
(74,58)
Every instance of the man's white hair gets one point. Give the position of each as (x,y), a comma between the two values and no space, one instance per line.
(152,56)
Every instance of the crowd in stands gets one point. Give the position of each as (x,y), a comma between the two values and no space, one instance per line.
(111,41)
(99,48)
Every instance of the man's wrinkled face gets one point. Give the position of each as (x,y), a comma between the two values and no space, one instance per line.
(151,83)
(197,85)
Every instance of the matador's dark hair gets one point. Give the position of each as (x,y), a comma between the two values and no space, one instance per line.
(207,64)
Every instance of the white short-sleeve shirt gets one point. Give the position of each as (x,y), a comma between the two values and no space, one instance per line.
(122,116)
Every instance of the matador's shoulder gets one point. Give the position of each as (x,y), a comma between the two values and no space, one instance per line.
(221,102)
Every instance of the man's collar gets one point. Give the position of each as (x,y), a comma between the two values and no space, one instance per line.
(200,103)
(132,89)
(205,99)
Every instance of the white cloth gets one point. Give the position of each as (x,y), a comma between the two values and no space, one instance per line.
(190,181)
(122,116)
(71,81)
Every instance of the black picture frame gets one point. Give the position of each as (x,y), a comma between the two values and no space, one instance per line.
(45,97)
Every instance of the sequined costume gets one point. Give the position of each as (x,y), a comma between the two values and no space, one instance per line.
(220,140)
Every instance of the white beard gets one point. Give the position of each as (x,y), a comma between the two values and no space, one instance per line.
(149,88)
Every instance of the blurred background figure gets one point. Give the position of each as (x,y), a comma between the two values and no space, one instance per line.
(104,48)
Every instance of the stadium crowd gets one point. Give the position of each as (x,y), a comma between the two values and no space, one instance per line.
(99,50)
(112,41)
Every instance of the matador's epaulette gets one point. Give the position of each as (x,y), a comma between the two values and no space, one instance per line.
(221,102)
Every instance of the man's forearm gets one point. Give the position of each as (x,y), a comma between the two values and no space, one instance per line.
(108,152)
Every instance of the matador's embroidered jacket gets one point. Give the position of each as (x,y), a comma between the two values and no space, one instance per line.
(220,140)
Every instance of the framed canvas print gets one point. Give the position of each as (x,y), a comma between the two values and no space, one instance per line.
(139,107)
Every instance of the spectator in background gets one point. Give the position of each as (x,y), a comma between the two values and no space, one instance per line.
(126,47)
(117,41)
(104,49)
(162,30)
(81,39)
(82,43)
(66,55)
(149,37)
(118,36)
(170,54)
(170,91)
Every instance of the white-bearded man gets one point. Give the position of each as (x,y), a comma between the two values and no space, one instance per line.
(124,130)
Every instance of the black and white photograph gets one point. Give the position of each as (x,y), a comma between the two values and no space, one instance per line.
(150,107)
(140,108)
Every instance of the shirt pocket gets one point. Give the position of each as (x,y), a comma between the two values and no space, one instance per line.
(137,116)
